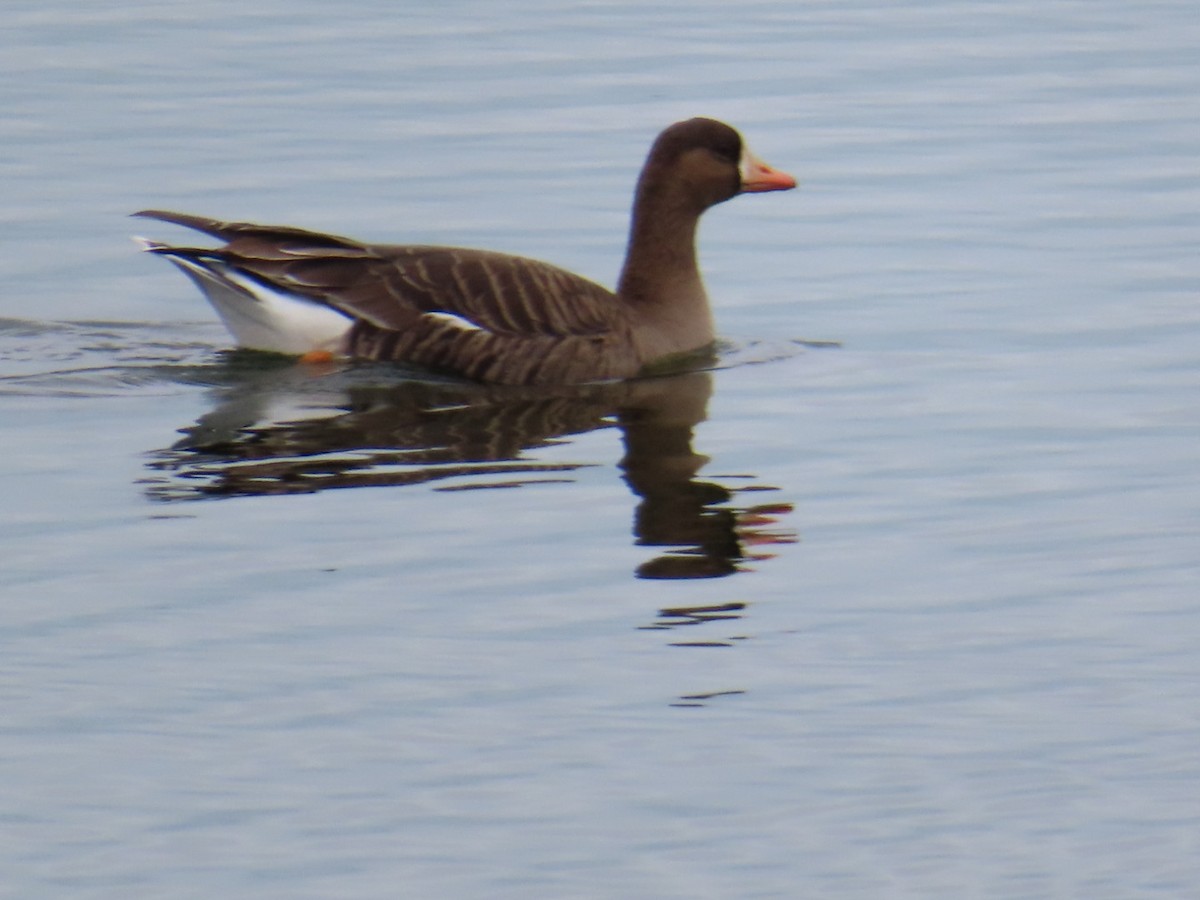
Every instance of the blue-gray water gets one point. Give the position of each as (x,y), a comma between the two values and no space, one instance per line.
(279,632)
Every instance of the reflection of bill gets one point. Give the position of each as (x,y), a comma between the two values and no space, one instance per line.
(286,429)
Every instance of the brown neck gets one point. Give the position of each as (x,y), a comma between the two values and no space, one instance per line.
(660,280)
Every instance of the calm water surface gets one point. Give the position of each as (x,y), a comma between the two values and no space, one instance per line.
(912,616)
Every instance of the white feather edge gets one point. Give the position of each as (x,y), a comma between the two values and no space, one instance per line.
(454,320)
(260,317)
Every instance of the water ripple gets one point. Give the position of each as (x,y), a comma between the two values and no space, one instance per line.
(97,359)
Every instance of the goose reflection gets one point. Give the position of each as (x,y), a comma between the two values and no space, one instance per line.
(287,429)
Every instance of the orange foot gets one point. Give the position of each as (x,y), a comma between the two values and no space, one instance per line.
(317,356)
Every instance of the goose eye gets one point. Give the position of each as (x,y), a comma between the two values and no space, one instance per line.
(725,155)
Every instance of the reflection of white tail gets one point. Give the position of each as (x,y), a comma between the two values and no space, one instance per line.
(258,316)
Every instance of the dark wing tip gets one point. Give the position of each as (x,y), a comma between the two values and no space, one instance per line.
(212,227)
(164,215)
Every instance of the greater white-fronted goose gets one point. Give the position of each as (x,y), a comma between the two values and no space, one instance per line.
(487,316)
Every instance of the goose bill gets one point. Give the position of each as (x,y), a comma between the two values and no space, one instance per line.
(758,177)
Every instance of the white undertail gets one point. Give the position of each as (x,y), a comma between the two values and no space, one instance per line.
(261,317)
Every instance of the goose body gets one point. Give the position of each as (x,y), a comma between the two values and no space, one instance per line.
(486,316)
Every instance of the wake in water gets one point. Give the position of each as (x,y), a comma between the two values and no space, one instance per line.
(85,359)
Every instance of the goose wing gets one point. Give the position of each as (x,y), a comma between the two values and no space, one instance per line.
(392,286)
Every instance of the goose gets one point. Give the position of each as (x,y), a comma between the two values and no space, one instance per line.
(478,314)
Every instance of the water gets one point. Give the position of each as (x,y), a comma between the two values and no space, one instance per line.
(913,616)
